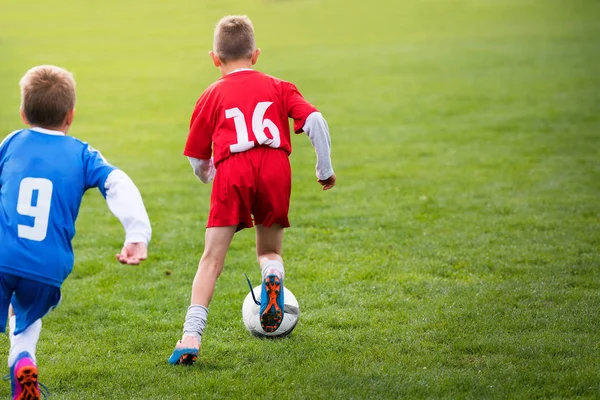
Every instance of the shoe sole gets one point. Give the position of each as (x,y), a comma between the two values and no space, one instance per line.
(183,357)
(27,377)
(272,316)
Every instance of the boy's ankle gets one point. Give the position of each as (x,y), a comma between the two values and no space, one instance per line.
(272,267)
(192,339)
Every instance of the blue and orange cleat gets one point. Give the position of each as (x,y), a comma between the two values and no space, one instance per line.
(24,378)
(271,303)
(186,351)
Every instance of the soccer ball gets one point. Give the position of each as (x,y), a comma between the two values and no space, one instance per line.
(291,314)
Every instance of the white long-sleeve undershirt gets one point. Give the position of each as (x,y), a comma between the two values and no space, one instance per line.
(203,169)
(317,131)
(125,202)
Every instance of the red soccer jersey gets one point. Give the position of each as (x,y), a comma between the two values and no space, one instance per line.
(242,110)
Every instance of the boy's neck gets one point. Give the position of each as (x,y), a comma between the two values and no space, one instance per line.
(233,65)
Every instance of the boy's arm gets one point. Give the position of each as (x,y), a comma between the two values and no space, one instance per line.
(125,202)
(308,119)
(203,169)
(199,140)
(317,130)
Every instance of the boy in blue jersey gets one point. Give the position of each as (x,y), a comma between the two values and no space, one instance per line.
(43,176)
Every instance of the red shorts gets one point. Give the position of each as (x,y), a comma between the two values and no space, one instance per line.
(256,182)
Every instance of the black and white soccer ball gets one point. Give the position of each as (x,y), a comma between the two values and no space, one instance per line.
(251,317)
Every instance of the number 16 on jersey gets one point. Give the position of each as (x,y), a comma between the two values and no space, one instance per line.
(259,124)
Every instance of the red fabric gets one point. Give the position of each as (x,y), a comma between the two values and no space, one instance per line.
(212,132)
(255,182)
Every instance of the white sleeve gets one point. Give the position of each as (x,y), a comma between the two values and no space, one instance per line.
(203,169)
(317,130)
(125,202)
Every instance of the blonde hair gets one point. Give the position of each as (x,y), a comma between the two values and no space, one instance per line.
(47,95)
(234,38)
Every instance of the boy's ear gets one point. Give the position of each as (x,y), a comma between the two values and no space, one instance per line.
(23,117)
(69,118)
(215,59)
(255,55)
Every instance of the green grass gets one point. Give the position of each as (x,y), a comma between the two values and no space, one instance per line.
(458,257)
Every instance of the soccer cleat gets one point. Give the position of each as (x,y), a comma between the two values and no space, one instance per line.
(186,351)
(24,378)
(271,303)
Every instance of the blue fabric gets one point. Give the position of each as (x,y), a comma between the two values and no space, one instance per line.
(31,300)
(42,180)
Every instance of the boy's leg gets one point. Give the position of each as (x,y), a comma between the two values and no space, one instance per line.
(21,360)
(25,341)
(269,244)
(216,244)
(7,287)
(217,241)
(30,302)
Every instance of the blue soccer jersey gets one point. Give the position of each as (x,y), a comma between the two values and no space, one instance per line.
(43,176)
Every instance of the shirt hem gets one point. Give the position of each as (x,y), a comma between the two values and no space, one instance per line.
(30,275)
(196,155)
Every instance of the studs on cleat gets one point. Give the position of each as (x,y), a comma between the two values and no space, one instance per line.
(272,316)
(187,359)
(28,379)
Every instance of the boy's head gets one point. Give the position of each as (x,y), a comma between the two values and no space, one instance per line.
(234,39)
(47,97)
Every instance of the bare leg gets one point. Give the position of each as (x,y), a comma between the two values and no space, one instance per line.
(216,244)
(269,243)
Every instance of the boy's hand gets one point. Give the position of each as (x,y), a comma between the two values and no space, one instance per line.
(133,253)
(328,183)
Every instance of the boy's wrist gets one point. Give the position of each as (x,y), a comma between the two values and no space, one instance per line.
(324,176)
(136,238)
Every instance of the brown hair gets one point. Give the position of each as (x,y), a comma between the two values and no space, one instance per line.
(47,95)
(234,38)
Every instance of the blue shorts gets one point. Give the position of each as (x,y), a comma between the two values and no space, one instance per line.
(31,300)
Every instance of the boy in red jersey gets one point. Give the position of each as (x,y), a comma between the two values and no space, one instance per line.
(240,137)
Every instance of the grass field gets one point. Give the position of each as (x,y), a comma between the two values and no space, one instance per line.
(458,257)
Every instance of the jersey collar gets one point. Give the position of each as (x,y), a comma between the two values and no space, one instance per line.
(239,70)
(47,131)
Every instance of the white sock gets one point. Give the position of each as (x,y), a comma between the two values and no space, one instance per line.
(24,341)
(272,267)
(195,321)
